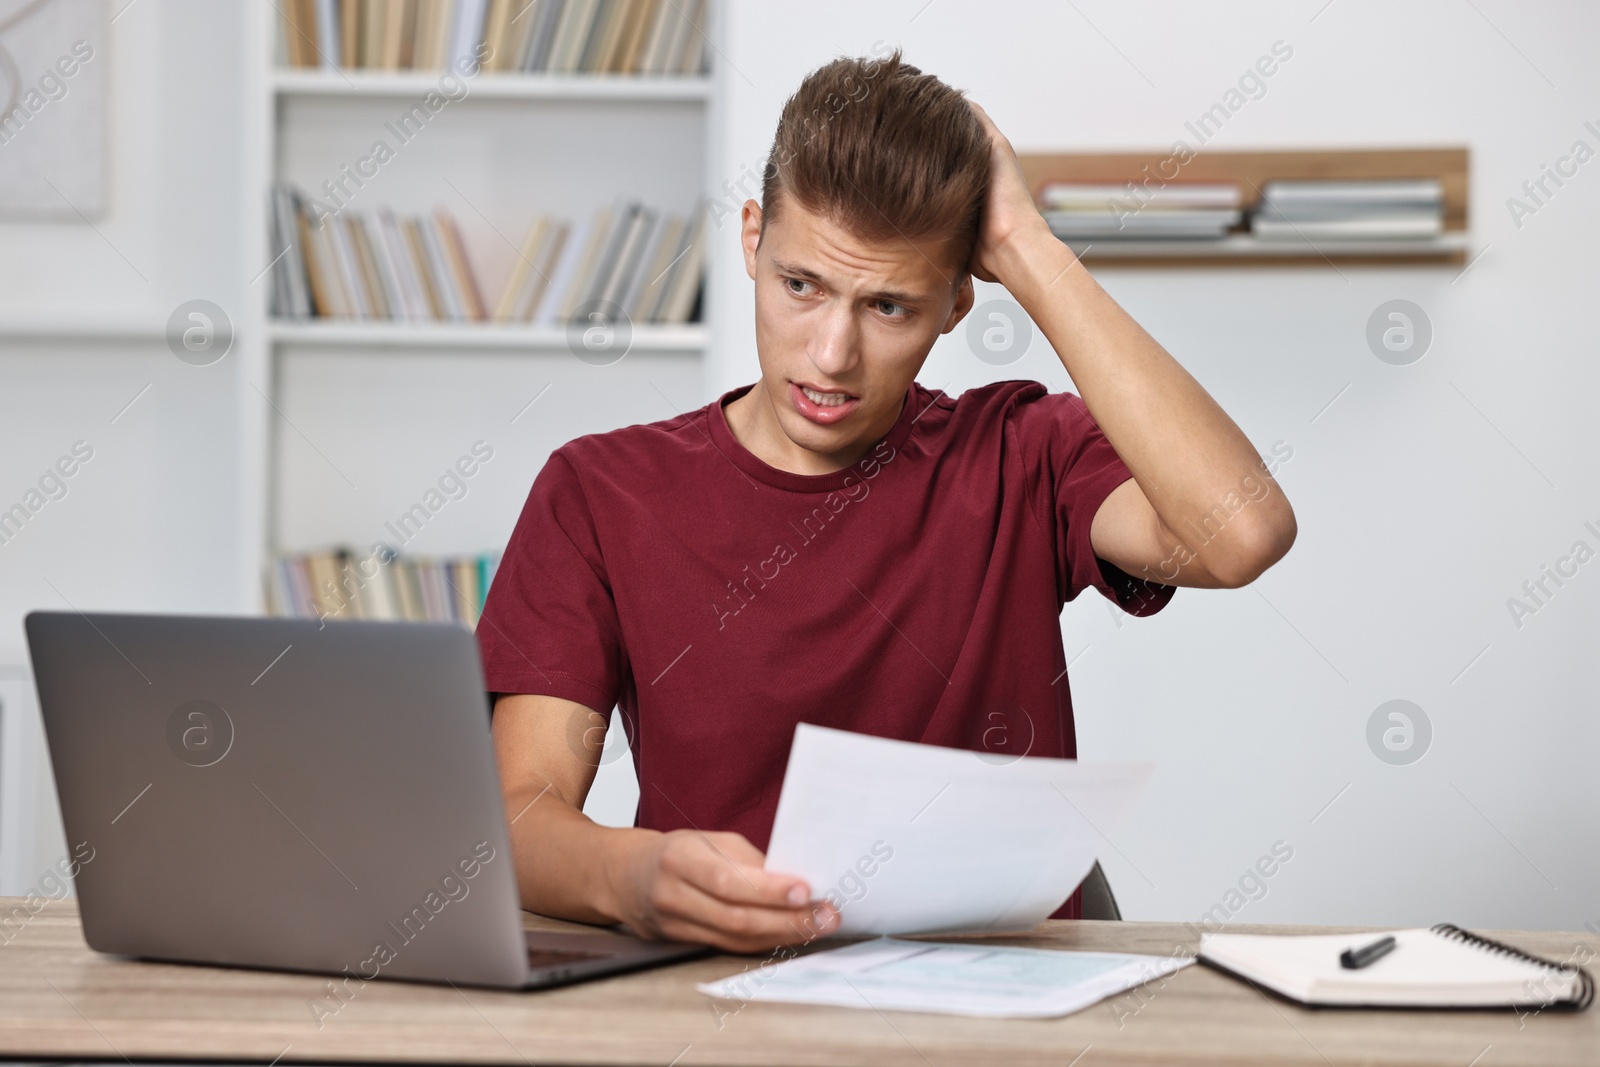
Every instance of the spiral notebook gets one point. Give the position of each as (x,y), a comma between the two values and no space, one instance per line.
(1432,967)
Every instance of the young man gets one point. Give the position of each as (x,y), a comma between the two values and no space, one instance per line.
(836,544)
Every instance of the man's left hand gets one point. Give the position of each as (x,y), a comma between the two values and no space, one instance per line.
(1008,210)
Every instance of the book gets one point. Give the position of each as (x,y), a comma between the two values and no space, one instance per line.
(349,33)
(539,279)
(453,308)
(497,35)
(600,237)
(654,57)
(1367,192)
(427,44)
(504,308)
(689,58)
(1442,966)
(413,297)
(547,17)
(1366,226)
(346,269)
(397,31)
(1148,223)
(565,274)
(679,302)
(318,269)
(328,43)
(298,25)
(614,289)
(369,276)
(679,29)
(390,267)
(641,20)
(291,285)
(611,253)
(463,577)
(599,28)
(519,33)
(412,231)
(642,296)
(460,266)
(576,19)
(466,35)
(373,14)
(529,281)
(1065,196)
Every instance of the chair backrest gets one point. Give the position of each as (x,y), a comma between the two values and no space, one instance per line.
(1098,903)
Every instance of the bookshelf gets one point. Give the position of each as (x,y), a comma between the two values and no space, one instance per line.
(1251,170)
(512,147)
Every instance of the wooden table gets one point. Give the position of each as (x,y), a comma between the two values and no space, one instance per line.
(58,999)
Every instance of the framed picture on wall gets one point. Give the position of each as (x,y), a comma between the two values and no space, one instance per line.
(53,109)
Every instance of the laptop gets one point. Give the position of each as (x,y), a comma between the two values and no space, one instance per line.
(294,795)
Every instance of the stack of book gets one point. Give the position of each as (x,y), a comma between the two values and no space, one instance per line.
(1082,211)
(342,584)
(651,37)
(370,265)
(1353,210)
(629,262)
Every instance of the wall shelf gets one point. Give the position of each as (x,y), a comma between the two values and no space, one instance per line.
(578,87)
(1239,250)
(78,327)
(1251,170)
(493,337)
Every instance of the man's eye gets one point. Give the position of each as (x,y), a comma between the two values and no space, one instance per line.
(891,309)
(797,286)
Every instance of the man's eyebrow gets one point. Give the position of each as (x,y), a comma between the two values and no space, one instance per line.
(892,295)
(797,271)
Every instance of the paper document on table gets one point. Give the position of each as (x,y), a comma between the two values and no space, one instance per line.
(911,838)
(961,979)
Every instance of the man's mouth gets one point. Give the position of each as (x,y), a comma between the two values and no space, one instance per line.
(827,400)
(822,406)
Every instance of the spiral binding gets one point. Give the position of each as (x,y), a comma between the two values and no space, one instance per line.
(1585,995)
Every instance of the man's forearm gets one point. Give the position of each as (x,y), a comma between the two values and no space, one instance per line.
(1183,449)
(567,864)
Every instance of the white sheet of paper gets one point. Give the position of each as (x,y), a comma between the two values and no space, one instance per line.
(911,838)
(958,979)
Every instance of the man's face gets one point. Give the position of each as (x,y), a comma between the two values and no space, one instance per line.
(842,327)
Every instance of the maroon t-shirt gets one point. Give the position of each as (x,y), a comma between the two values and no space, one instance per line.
(717,601)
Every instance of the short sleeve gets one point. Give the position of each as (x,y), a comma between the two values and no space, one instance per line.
(549,625)
(1071,469)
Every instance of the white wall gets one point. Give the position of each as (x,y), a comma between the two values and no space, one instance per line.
(150,522)
(1418,516)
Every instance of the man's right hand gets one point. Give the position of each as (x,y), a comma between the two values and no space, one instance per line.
(684,885)
(712,888)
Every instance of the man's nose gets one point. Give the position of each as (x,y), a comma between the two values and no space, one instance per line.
(835,350)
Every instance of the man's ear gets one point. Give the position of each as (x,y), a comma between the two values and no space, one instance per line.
(964,298)
(750,234)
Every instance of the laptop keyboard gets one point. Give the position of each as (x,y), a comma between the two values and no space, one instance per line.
(546,957)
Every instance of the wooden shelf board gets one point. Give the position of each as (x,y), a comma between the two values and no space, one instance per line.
(360,83)
(1243,250)
(690,337)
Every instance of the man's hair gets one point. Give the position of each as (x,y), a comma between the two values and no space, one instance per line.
(883,150)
